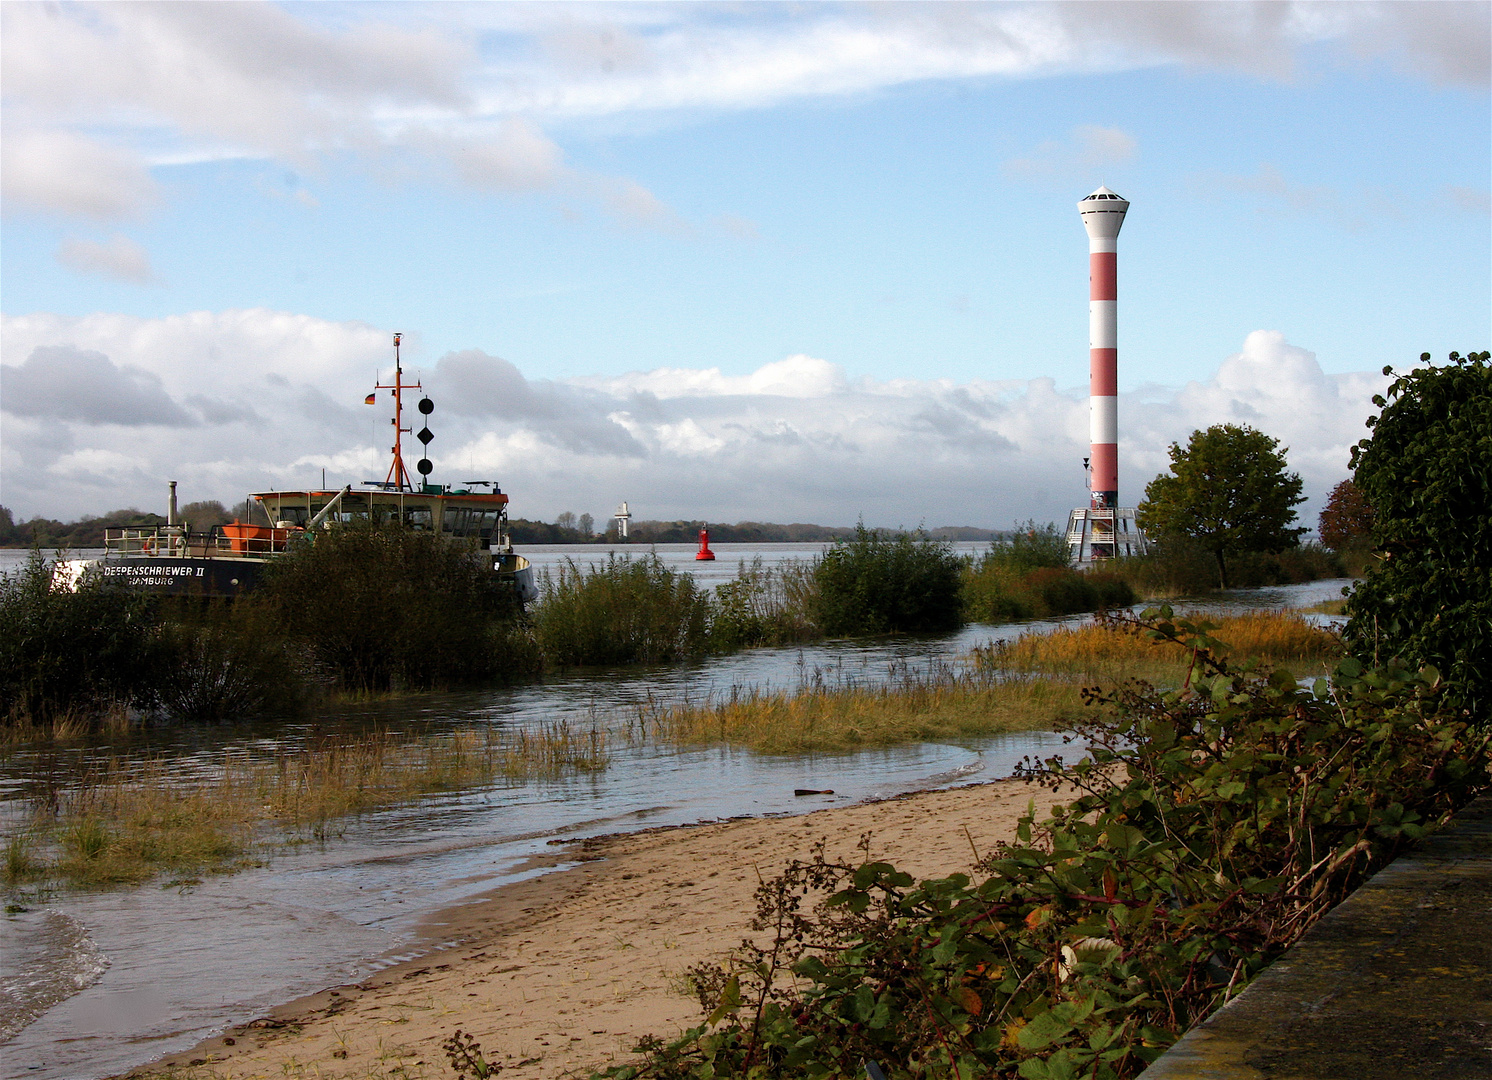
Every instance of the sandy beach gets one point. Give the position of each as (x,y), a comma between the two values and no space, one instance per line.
(560,974)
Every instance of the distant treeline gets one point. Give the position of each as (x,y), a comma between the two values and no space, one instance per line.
(89,532)
(743,532)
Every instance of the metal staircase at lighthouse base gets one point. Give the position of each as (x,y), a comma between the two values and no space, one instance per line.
(1095,534)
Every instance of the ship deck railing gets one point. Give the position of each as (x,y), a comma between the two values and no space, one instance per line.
(176,541)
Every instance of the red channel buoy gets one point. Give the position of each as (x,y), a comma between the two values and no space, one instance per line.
(704,554)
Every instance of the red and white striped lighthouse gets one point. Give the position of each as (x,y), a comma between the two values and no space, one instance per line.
(1103,215)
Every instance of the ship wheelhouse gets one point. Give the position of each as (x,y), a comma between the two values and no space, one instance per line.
(457,513)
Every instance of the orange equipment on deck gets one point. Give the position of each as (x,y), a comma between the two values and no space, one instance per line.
(246,539)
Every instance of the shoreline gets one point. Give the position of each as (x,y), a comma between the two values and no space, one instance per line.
(560,974)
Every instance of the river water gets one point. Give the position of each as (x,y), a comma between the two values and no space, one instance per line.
(92,984)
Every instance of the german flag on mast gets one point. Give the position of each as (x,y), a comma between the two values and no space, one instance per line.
(371,399)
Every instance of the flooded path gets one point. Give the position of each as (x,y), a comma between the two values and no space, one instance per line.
(93,984)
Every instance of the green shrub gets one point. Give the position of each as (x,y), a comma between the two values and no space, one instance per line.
(763,605)
(1308,562)
(623,611)
(1029,547)
(1174,566)
(377,606)
(1424,471)
(1213,826)
(877,584)
(992,593)
(66,654)
(1177,566)
(225,660)
(995,592)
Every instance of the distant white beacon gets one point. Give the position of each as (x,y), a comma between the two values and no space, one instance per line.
(1103,216)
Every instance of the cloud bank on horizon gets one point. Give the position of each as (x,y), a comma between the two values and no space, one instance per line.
(104,409)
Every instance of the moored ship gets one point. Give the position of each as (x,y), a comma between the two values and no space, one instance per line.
(230,559)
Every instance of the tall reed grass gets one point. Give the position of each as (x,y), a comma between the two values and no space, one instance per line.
(126,823)
(1034,683)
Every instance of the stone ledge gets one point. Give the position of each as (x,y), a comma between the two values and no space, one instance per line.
(1395,983)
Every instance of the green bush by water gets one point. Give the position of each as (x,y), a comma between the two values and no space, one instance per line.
(366,608)
(623,611)
(764,605)
(874,583)
(1182,567)
(70,655)
(1027,576)
(378,607)
(220,660)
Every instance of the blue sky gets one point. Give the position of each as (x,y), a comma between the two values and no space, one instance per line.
(813,262)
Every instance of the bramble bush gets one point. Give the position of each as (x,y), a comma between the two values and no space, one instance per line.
(1212,825)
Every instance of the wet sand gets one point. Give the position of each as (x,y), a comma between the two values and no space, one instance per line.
(561,974)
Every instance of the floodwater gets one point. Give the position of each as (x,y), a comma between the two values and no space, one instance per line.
(94,984)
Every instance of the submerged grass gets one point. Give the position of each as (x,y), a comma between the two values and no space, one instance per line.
(1034,683)
(948,703)
(124,825)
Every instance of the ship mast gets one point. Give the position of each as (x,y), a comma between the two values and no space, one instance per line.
(398,477)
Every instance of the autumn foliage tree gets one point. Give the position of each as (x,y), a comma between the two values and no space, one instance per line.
(1229,491)
(1347,519)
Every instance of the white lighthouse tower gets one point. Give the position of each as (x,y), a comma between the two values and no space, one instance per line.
(1103,529)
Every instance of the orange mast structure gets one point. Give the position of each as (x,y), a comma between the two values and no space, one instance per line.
(398,476)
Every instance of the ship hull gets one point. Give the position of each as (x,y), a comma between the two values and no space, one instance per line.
(173,575)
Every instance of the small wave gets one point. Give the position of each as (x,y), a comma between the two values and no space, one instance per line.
(955,774)
(54,959)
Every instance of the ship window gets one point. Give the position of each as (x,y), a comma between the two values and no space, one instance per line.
(458,520)
(418,517)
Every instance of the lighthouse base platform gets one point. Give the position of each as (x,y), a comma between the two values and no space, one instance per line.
(1094,535)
